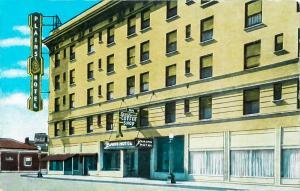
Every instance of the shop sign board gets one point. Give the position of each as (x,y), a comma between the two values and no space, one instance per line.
(128,118)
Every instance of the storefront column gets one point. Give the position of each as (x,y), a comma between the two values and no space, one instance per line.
(226,147)
(99,162)
(277,156)
(122,169)
(153,158)
(18,161)
(72,166)
(186,156)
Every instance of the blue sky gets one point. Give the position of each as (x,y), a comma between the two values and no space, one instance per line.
(15,120)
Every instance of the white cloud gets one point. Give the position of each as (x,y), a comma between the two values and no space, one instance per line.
(22,29)
(17,121)
(13,73)
(22,63)
(16,41)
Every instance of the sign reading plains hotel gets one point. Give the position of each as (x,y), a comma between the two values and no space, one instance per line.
(35,62)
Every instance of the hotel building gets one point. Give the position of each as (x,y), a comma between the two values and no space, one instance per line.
(222,77)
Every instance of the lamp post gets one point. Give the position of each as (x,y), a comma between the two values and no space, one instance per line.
(39,175)
(171,175)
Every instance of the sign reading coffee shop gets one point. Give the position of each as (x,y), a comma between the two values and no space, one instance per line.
(35,63)
(128,118)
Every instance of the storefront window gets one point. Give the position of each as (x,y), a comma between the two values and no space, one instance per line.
(56,165)
(111,160)
(163,154)
(252,163)
(290,163)
(91,162)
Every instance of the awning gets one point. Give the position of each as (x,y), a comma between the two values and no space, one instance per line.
(87,154)
(57,157)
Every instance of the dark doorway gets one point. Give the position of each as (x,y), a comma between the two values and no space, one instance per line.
(144,163)
(129,163)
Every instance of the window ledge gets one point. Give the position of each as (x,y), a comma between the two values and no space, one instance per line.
(110,73)
(90,79)
(210,3)
(277,102)
(91,52)
(255,27)
(189,2)
(188,39)
(188,113)
(100,96)
(145,61)
(207,42)
(280,52)
(145,29)
(170,19)
(172,53)
(131,66)
(251,115)
(100,42)
(73,60)
(111,44)
(188,74)
(72,85)
(100,69)
(252,67)
(205,119)
(131,35)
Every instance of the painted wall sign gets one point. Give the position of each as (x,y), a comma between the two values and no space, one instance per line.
(117,145)
(35,62)
(144,143)
(128,118)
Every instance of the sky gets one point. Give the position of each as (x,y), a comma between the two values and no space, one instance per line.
(16,121)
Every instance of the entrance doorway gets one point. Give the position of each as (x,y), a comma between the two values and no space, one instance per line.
(144,163)
(129,161)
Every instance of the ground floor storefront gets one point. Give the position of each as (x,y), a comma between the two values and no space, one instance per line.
(260,156)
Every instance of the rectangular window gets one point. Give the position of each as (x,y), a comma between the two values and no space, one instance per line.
(252,54)
(186,105)
(72,52)
(253,13)
(131,25)
(56,104)
(252,163)
(207,163)
(130,85)
(205,108)
(65,53)
(56,165)
(64,77)
(27,161)
(56,82)
(100,36)
(64,100)
(56,129)
(170,112)
(290,164)
(110,91)
(206,66)
(90,44)
(251,101)
(187,67)
(145,19)
(207,28)
(99,90)
(144,82)
(109,121)
(89,124)
(171,44)
(144,117)
(90,96)
(277,91)
(111,160)
(90,71)
(110,63)
(144,51)
(188,29)
(71,128)
(171,9)
(63,125)
(99,117)
(279,42)
(72,76)
(177,153)
(56,60)
(171,75)
(110,35)
(131,56)
(71,101)
(99,64)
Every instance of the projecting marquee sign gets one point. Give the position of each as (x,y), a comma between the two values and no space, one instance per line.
(138,143)
(35,63)
(128,118)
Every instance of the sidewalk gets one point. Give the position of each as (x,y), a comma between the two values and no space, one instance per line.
(179,184)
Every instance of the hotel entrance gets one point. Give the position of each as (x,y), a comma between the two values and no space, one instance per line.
(137,163)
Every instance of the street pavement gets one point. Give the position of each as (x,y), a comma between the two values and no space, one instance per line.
(29,182)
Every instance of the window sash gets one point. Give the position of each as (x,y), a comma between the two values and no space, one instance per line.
(254,8)
(145,47)
(110,59)
(171,71)
(206,61)
(110,87)
(207,24)
(251,95)
(131,22)
(146,15)
(172,37)
(145,78)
